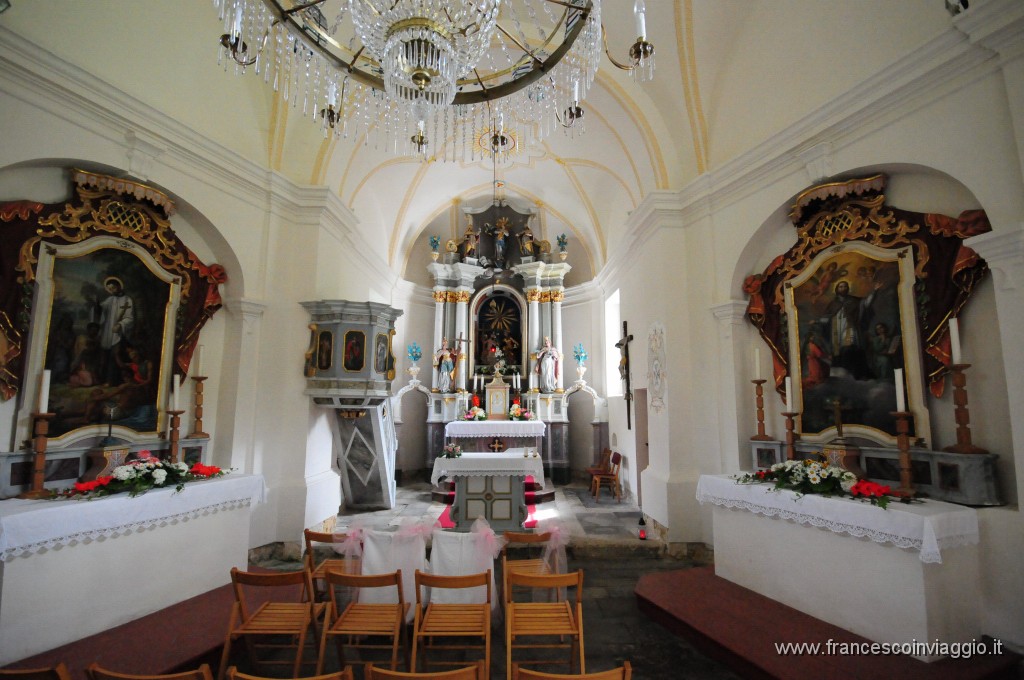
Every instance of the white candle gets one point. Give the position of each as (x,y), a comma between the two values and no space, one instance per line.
(954,340)
(175,388)
(44,391)
(237,29)
(199,361)
(789,394)
(641,22)
(575,91)
(757,363)
(901,401)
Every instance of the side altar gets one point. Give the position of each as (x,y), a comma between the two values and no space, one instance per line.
(896,575)
(73,568)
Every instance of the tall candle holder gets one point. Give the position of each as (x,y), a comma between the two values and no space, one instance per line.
(174,435)
(41,429)
(197,432)
(963,416)
(903,444)
(759,392)
(790,417)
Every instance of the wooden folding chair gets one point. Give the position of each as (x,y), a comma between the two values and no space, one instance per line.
(435,620)
(318,567)
(533,544)
(58,672)
(609,479)
(602,466)
(94,672)
(623,672)
(272,619)
(558,618)
(343,674)
(350,623)
(469,673)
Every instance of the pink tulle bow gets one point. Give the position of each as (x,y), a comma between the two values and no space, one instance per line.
(554,551)
(352,545)
(487,540)
(422,528)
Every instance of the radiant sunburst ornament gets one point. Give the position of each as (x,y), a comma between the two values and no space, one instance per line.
(499,316)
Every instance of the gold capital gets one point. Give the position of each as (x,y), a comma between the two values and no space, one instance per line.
(440,296)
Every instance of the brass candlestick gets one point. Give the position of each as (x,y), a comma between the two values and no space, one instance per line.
(790,416)
(41,429)
(174,436)
(198,433)
(963,416)
(903,444)
(759,391)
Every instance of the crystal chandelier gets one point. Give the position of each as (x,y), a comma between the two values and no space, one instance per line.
(450,80)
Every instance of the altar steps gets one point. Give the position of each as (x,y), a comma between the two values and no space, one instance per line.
(739,628)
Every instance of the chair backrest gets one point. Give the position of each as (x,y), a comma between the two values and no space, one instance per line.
(95,672)
(312,538)
(58,672)
(602,464)
(556,582)
(436,581)
(613,466)
(360,582)
(387,551)
(296,586)
(468,673)
(345,674)
(524,538)
(623,672)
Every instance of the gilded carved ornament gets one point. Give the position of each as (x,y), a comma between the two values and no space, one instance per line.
(557,295)
(545,296)
(533,295)
(440,295)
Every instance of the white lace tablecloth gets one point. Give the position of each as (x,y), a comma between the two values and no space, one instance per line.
(510,463)
(28,526)
(928,526)
(494,428)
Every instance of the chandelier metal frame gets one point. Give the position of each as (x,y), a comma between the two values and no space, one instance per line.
(291,44)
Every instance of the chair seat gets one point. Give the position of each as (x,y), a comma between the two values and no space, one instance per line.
(542,618)
(527,566)
(455,619)
(335,565)
(278,617)
(370,619)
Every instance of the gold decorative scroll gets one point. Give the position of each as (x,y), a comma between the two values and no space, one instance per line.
(122,186)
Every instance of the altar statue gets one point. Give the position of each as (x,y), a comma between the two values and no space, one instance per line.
(547,366)
(445,360)
(469,240)
(526,242)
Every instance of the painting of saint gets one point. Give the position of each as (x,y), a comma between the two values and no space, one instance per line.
(354,344)
(325,351)
(380,353)
(848,321)
(105,342)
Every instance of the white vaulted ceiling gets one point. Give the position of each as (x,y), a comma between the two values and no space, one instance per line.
(730,74)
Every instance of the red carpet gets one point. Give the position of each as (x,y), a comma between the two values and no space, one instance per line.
(446,517)
(739,628)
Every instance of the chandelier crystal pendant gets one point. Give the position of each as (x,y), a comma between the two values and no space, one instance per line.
(427,77)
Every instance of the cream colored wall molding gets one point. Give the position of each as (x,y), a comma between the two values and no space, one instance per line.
(1003,250)
(659,209)
(995,24)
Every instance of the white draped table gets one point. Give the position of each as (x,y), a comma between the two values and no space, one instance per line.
(490,485)
(494,428)
(903,573)
(72,568)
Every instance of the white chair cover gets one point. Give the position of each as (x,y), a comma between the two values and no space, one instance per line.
(455,553)
(385,552)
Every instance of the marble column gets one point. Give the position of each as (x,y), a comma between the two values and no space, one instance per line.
(440,296)
(461,331)
(556,334)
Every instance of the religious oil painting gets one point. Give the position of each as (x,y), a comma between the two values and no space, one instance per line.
(380,353)
(109,338)
(851,326)
(355,349)
(325,351)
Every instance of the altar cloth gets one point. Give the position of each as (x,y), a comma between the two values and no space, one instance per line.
(511,463)
(495,428)
(28,526)
(927,526)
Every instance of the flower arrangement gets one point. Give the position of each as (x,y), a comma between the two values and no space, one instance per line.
(415,352)
(579,354)
(499,362)
(814,477)
(517,412)
(435,243)
(475,413)
(451,451)
(139,476)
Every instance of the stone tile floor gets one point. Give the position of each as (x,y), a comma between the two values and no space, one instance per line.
(604,544)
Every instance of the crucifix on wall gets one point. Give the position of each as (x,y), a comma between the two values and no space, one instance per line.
(623,345)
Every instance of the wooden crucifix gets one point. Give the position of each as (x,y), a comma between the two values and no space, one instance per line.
(623,345)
